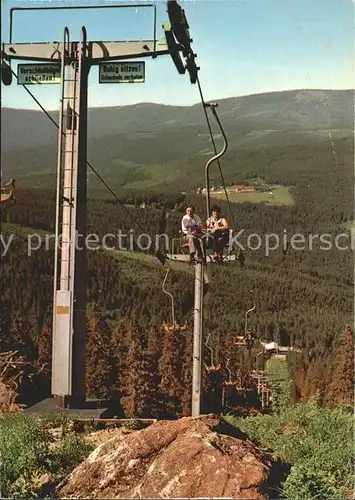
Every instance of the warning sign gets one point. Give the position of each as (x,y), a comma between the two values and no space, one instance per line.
(38,73)
(122,72)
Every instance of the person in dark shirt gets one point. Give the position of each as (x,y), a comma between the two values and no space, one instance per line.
(218,228)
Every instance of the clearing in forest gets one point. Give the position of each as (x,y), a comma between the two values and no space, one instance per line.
(277,195)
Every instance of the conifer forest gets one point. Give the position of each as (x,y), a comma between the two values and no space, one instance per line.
(304,298)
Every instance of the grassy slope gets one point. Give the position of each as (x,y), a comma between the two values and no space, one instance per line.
(281,196)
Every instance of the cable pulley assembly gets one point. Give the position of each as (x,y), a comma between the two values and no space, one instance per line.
(6,74)
(178,39)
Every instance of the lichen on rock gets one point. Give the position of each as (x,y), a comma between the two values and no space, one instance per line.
(190,457)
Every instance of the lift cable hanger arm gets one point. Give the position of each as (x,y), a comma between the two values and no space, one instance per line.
(171,298)
(215,151)
(213,107)
(247,312)
(210,349)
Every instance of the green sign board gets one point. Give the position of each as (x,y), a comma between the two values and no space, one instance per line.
(122,72)
(38,73)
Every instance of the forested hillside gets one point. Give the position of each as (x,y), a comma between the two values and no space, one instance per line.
(282,137)
(288,110)
(303,298)
(154,157)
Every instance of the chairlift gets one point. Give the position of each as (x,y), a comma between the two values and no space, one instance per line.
(174,326)
(212,367)
(249,311)
(229,382)
(170,329)
(246,340)
(239,341)
(239,384)
(179,248)
(8,192)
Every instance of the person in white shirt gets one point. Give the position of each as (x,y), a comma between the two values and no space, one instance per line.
(191,226)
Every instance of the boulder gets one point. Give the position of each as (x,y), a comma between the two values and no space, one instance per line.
(186,458)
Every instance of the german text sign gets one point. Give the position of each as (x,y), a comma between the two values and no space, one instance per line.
(38,73)
(122,72)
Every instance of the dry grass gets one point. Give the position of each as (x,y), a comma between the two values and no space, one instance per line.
(7,399)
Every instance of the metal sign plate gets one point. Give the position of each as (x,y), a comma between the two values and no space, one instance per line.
(122,72)
(38,73)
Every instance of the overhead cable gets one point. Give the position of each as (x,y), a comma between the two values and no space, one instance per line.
(157,253)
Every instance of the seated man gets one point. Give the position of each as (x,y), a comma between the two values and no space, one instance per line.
(191,226)
(218,228)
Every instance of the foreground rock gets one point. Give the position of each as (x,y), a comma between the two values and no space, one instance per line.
(183,458)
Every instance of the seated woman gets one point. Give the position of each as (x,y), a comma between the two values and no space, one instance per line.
(218,228)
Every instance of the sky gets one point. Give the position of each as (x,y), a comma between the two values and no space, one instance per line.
(243,47)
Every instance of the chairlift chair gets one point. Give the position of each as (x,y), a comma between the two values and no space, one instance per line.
(239,341)
(179,245)
(179,250)
(169,329)
(8,192)
(246,340)
(229,382)
(174,328)
(212,367)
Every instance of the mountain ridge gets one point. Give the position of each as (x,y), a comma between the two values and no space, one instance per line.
(244,96)
(145,146)
(297,109)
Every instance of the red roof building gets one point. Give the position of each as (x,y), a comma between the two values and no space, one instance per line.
(242,188)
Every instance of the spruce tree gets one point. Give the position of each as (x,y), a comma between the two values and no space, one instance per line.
(341,388)
(153,354)
(171,373)
(97,355)
(141,385)
(44,343)
(186,399)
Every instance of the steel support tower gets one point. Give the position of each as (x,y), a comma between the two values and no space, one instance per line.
(198,342)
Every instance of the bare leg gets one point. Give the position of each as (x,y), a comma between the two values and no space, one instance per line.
(192,247)
(199,248)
